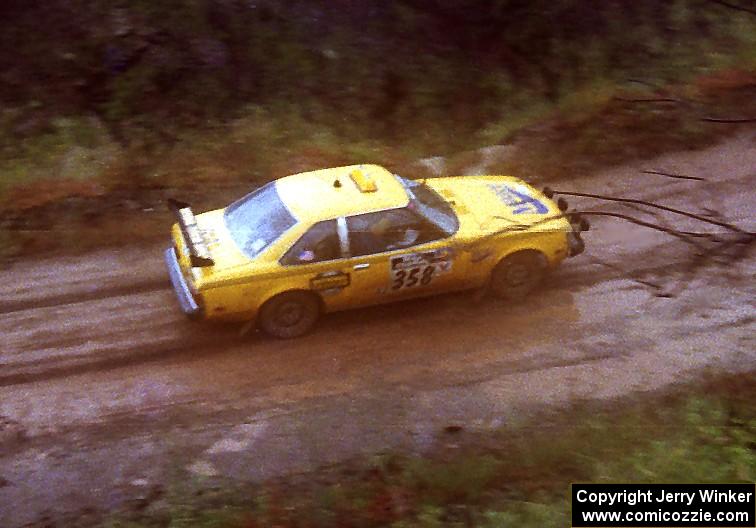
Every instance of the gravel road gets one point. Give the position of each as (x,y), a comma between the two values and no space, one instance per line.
(108,396)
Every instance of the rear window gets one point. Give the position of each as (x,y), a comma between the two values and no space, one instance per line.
(258,220)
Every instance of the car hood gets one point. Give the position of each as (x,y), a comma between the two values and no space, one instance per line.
(486,204)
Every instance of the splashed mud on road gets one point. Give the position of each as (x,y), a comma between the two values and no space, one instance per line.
(106,389)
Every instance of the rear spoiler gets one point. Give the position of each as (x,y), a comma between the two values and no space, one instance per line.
(199,253)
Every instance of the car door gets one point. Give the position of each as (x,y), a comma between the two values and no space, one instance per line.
(317,262)
(396,254)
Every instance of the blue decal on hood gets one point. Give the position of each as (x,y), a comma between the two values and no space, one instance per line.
(520,202)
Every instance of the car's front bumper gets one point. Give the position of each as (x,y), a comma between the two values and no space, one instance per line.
(188,303)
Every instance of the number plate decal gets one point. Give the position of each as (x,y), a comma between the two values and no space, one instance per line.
(414,270)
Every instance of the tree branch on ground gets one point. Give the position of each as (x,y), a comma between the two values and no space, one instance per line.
(672,175)
(737,7)
(647,100)
(732,121)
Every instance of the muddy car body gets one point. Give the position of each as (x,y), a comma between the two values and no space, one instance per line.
(346,237)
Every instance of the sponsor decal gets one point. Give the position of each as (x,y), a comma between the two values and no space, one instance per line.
(327,282)
(518,199)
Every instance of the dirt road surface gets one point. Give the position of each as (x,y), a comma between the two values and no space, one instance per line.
(109,397)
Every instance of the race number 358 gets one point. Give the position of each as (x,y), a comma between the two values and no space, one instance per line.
(411,277)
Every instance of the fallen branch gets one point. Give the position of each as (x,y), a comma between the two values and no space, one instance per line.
(685,237)
(647,100)
(658,215)
(727,226)
(614,267)
(734,6)
(711,213)
(672,175)
(645,83)
(732,121)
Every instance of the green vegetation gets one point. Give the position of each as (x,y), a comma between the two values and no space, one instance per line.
(120,103)
(421,77)
(519,476)
(605,125)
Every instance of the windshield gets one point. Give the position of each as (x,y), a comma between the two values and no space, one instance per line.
(429,204)
(258,219)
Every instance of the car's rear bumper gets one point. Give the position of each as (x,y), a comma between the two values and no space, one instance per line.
(188,303)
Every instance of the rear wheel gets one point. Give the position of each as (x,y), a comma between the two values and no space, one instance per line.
(518,274)
(289,315)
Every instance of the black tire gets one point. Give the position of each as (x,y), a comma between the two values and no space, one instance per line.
(518,274)
(289,315)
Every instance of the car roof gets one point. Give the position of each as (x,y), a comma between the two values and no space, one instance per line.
(342,191)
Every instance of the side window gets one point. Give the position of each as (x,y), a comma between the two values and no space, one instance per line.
(388,230)
(320,243)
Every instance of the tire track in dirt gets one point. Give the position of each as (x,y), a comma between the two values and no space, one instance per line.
(50,282)
(113,359)
(102,329)
(109,332)
(121,387)
(119,331)
(33,352)
(9,307)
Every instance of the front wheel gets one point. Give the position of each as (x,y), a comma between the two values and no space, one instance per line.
(289,315)
(518,274)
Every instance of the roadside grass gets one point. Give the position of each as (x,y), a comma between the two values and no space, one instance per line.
(66,148)
(88,192)
(72,182)
(515,476)
(184,98)
(606,124)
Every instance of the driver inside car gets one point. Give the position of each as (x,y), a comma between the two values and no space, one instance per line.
(326,249)
(402,238)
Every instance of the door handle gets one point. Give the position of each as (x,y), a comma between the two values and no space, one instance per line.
(363,266)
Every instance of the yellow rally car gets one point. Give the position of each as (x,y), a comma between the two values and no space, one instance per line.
(353,236)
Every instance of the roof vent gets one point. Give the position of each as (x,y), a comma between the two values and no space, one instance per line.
(364,183)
